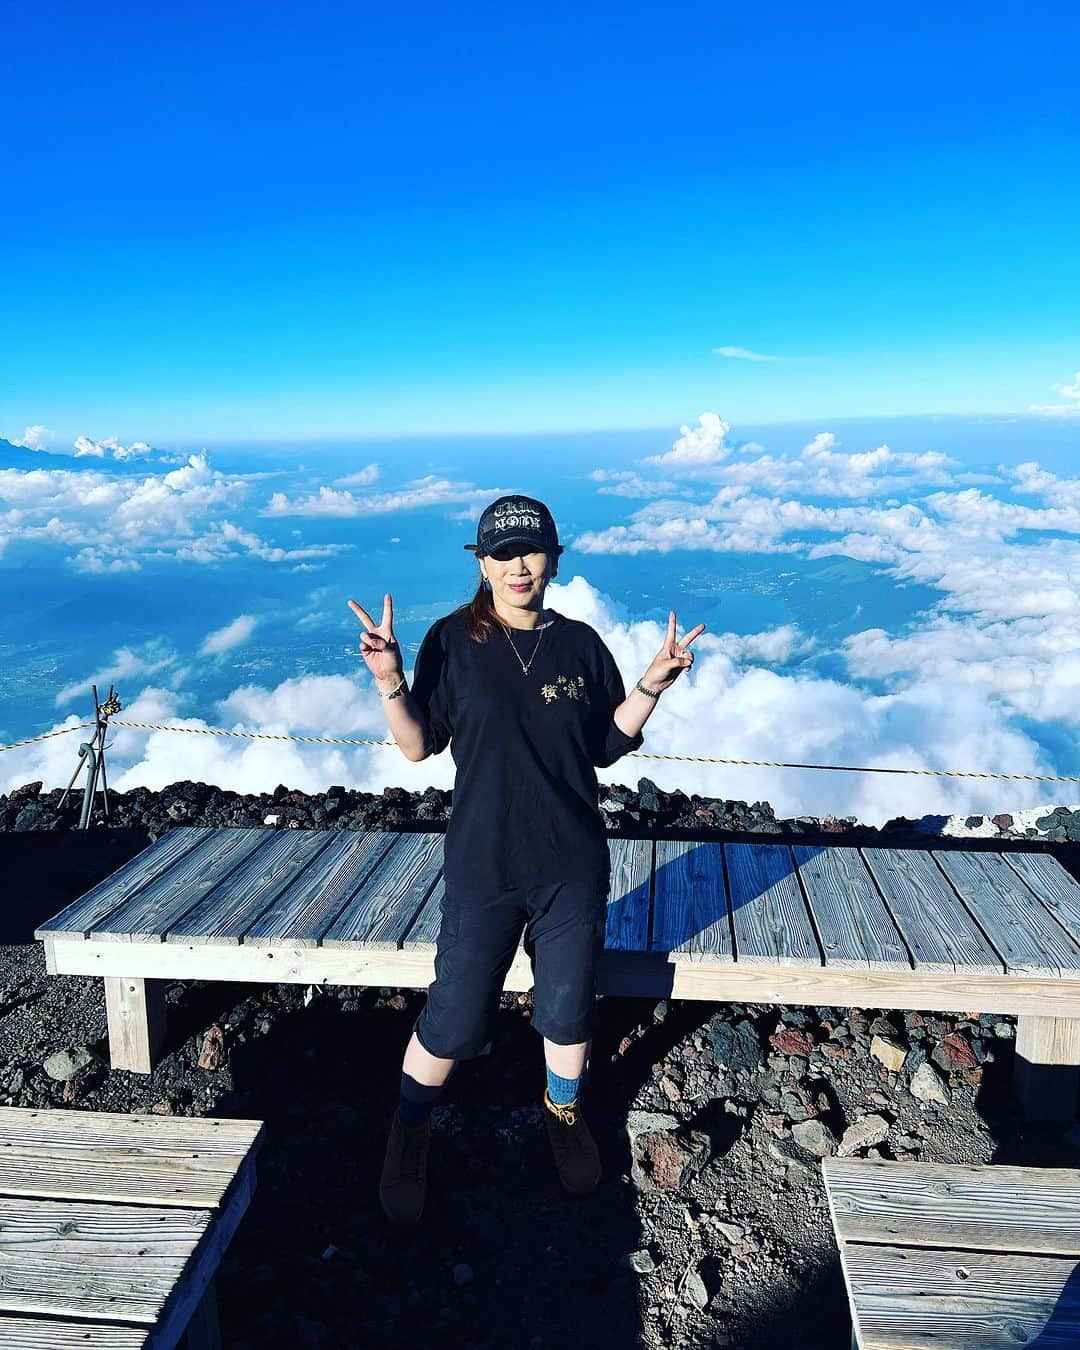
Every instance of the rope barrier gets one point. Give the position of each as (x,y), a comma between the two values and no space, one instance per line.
(636,754)
(45,736)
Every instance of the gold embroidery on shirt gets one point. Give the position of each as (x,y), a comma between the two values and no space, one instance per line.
(565,686)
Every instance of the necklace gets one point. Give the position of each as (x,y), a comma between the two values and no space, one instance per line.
(524,667)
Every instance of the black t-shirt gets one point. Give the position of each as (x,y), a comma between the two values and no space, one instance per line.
(525,808)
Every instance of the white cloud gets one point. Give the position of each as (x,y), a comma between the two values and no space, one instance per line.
(362,478)
(775,646)
(127,663)
(701,455)
(234,634)
(224,540)
(730,705)
(1006,628)
(696,446)
(33,438)
(86,447)
(1071,408)
(112,522)
(741,354)
(98,560)
(626,483)
(418,492)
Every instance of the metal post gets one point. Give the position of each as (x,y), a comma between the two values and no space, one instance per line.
(92,754)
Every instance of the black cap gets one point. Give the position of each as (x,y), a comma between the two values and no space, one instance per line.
(515,519)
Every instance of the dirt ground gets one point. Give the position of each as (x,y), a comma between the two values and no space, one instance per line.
(735,1248)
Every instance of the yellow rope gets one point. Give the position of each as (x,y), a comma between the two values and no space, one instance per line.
(637,754)
(63,732)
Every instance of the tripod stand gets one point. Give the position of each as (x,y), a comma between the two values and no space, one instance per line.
(92,754)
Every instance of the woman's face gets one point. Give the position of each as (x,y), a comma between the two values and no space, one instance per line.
(517,578)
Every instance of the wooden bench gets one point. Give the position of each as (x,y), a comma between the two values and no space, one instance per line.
(112,1226)
(933,929)
(957,1257)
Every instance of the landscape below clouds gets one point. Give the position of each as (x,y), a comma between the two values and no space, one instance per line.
(902,597)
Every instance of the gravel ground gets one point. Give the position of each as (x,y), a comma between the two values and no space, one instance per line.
(710,1226)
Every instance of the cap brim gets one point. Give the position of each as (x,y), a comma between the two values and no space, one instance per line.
(538,547)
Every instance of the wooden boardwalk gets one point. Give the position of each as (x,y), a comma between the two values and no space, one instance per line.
(936,929)
(112,1226)
(957,1255)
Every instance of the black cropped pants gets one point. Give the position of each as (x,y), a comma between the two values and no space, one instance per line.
(563,924)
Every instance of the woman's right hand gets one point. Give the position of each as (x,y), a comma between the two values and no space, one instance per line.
(378,646)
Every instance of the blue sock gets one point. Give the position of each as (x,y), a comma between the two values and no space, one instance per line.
(562,1090)
(417,1100)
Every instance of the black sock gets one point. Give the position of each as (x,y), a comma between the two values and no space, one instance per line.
(417,1100)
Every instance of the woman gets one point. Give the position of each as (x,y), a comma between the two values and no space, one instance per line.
(525,844)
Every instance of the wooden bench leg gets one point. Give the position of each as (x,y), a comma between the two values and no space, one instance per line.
(203,1331)
(1048,1067)
(136,1012)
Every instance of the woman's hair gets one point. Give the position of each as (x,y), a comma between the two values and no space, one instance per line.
(478,614)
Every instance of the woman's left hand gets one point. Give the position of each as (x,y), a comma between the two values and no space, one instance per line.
(671,659)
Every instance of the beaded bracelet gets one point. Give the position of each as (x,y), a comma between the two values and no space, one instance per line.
(395,692)
(649,693)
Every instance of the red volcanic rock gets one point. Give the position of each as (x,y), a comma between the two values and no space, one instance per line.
(953,1053)
(792,1041)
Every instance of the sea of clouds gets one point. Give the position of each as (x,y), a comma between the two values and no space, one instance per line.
(985,678)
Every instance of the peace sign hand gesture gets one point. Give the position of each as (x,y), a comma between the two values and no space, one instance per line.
(672,658)
(378,646)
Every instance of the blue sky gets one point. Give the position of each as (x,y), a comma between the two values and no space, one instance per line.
(776,306)
(323,221)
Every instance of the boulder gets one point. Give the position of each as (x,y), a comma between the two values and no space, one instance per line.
(862,1133)
(927,1086)
(814,1136)
(889,1052)
(65,1064)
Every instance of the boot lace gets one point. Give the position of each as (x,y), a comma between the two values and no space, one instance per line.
(566,1112)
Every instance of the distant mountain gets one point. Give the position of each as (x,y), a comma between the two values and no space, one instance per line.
(18,457)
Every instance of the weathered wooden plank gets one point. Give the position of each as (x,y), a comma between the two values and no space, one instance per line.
(1047,1067)
(691,919)
(36,1333)
(855,927)
(993,1208)
(633,973)
(768,912)
(146,1159)
(629,899)
(381,907)
(135,1011)
(82,915)
(1056,888)
(1007,910)
(303,911)
(73,1259)
(907,1298)
(422,933)
(152,911)
(191,1289)
(940,933)
(162,1135)
(227,912)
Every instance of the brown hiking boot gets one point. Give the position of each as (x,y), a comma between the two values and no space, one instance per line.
(576,1156)
(404,1174)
